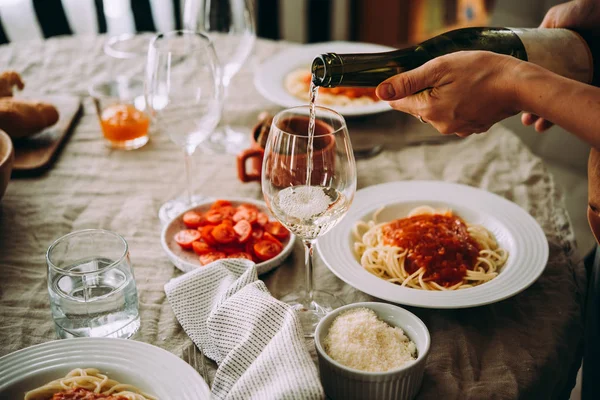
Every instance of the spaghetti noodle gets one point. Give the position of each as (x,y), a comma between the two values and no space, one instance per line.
(87,383)
(429,249)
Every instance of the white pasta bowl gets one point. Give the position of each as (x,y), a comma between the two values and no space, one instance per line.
(341,382)
(150,368)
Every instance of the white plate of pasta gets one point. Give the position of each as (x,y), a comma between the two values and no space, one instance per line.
(124,369)
(435,245)
(284,79)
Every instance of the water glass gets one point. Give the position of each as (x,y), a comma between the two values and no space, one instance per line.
(91,285)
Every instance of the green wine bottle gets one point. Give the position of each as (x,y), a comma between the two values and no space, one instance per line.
(560,50)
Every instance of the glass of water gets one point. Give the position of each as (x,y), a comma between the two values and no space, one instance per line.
(91,285)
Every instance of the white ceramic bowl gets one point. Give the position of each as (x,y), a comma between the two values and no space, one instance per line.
(187,260)
(341,382)
(150,368)
(7,158)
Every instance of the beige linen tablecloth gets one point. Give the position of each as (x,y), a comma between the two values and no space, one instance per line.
(525,347)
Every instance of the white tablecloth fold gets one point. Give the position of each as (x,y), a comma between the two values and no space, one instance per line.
(255,339)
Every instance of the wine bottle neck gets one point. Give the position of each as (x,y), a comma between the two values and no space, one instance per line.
(327,70)
(362,69)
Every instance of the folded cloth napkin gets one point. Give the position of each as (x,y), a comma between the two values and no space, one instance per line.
(256,340)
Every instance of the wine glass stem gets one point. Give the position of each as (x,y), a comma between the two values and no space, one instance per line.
(188,173)
(225,83)
(308,262)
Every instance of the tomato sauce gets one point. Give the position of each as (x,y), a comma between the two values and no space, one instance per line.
(351,92)
(84,394)
(438,243)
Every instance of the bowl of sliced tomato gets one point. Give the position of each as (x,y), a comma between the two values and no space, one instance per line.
(232,228)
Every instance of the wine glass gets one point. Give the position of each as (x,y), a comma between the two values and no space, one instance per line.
(230,24)
(184,94)
(309,204)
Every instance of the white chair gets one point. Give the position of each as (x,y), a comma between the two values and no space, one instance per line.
(22,20)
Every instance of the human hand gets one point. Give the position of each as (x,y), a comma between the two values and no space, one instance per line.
(581,15)
(462,93)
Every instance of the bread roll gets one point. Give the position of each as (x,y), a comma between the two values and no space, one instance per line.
(8,80)
(20,118)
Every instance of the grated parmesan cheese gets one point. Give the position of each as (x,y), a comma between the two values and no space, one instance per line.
(358,339)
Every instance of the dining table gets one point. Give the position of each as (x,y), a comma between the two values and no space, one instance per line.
(528,346)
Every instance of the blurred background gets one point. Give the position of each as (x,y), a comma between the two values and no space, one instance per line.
(390,22)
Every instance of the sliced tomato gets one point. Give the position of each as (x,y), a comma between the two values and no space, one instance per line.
(276,229)
(227,211)
(201,248)
(244,213)
(206,234)
(240,254)
(267,249)
(212,256)
(257,233)
(268,236)
(262,219)
(250,250)
(214,216)
(223,233)
(192,219)
(243,229)
(186,237)
(227,222)
(219,204)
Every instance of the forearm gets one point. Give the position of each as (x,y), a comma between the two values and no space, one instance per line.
(572,105)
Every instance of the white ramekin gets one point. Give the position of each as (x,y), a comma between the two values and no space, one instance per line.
(403,383)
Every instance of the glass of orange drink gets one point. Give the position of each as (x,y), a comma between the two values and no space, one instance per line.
(121,110)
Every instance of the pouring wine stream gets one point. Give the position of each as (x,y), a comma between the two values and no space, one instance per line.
(313,93)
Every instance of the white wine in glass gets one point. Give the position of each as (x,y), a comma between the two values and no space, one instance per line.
(309,201)
(184,95)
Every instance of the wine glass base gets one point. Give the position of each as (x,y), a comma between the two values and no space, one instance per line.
(229,140)
(310,312)
(173,208)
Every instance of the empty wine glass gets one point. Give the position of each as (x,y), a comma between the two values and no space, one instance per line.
(230,24)
(184,94)
(309,207)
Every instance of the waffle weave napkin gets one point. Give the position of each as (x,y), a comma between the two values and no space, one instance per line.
(255,339)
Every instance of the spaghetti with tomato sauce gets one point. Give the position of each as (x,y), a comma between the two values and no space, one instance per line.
(84,394)
(87,384)
(429,249)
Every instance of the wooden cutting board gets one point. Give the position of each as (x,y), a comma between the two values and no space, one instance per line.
(36,153)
